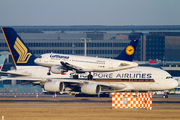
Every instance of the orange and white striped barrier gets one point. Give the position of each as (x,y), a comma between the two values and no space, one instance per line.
(132,100)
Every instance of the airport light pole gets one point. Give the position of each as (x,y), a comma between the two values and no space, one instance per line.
(85,40)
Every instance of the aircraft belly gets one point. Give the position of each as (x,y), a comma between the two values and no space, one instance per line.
(45,64)
(142,86)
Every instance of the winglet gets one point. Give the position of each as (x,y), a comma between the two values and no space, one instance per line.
(21,54)
(128,52)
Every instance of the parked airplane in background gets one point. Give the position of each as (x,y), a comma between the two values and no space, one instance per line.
(59,63)
(3,56)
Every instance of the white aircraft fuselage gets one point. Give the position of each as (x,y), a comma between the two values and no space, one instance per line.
(139,78)
(84,63)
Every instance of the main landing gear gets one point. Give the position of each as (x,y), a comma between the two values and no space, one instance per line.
(49,72)
(165,95)
(90,77)
(75,76)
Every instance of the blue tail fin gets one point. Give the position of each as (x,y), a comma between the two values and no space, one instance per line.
(3,56)
(128,52)
(21,54)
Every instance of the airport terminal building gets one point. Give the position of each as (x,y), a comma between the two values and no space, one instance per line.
(160,43)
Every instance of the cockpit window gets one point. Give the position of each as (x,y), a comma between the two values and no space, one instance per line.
(169,77)
(40,57)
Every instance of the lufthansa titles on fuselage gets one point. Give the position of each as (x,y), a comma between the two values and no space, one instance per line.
(59,57)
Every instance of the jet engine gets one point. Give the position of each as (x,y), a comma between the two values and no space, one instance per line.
(92,89)
(55,86)
(57,69)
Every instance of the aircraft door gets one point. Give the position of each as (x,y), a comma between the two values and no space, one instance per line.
(46,59)
(157,80)
(110,64)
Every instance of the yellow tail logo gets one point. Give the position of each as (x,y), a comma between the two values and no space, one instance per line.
(22,51)
(129,50)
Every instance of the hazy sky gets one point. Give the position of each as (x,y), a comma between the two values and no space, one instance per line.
(89,12)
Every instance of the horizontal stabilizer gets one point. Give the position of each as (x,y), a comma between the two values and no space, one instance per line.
(15,74)
(29,79)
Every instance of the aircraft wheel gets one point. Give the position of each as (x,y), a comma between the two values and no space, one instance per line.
(165,96)
(75,76)
(90,77)
(48,73)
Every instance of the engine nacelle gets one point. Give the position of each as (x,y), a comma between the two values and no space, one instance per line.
(54,86)
(92,89)
(57,69)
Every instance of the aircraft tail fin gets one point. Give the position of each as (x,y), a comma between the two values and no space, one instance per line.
(21,54)
(3,56)
(128,52)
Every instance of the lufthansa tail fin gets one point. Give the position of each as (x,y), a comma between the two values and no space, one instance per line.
(128,52)
(3,56)
(21,54)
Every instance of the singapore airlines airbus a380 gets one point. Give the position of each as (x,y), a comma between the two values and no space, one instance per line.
(137,78)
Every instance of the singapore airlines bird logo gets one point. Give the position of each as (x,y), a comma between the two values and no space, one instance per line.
(22,51)
(129,50)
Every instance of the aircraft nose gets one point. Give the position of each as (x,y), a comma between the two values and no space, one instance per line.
(174,83)
(36,60)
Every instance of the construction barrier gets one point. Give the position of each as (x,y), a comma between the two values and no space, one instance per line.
(132,100)
(37,94)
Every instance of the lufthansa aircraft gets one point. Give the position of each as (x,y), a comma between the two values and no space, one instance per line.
(60,63)
(137,78)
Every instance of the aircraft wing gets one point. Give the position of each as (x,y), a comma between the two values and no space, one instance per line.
(26,80)
(105,86)
(77,68)
(109,87)
(13,74)
(72,84)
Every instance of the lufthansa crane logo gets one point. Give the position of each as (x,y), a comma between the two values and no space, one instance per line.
(22,51)
(129,50)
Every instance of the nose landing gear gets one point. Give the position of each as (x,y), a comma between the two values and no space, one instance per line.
(49,72)
(90,77)
(75,76)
